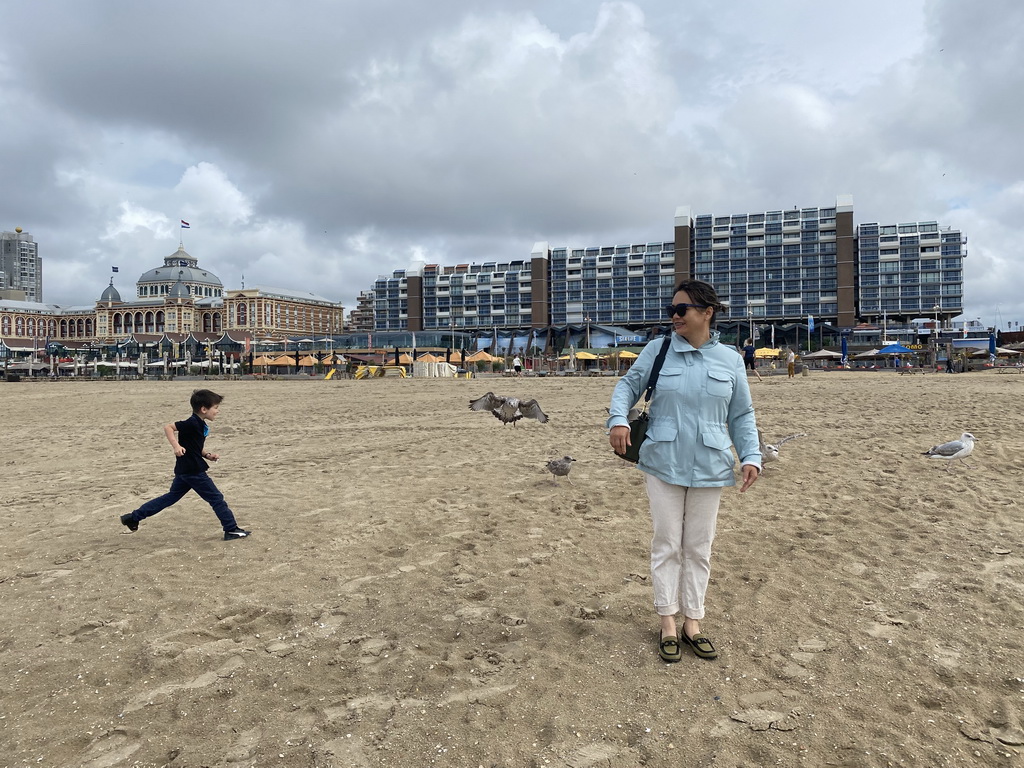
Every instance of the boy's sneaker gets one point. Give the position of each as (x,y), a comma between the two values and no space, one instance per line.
(238,533)
(129,523)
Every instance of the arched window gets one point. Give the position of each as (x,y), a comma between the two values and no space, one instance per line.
(31,326)
(150,320)
(88,327)
(117,323)
(159,322)
(5,325)
(19,326)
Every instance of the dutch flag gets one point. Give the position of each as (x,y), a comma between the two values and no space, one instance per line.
(184,224)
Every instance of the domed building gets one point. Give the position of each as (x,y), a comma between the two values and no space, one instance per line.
(177,304)
(179,266)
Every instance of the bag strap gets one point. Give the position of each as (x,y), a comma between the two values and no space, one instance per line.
(652,382)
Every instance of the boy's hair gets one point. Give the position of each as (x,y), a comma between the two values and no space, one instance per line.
(204,398)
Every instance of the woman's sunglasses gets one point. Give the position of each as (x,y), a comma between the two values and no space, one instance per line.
(680,309)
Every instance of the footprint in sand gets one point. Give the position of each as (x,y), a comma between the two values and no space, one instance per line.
(162,693)
(109,750)
(244,747)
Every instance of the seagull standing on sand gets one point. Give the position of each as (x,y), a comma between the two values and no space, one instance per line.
(560,468)
(954,449)
(508,410)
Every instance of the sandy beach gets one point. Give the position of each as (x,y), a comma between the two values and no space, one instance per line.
(419,591)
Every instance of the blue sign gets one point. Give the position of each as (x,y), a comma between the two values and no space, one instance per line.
(630,339)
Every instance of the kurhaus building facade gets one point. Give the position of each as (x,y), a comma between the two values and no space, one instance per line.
(777,266)
(178,299)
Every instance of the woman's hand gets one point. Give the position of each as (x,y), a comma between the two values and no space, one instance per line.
(619,438)
(750,475)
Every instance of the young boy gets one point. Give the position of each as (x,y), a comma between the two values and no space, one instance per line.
(187,438)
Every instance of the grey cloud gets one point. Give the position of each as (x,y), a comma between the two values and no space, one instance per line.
(319,144)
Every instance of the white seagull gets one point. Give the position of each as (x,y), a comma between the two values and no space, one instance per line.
(508,410)
(560,468)
(770,451)
(954,449)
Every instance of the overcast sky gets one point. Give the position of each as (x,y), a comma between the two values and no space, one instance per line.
(317,144)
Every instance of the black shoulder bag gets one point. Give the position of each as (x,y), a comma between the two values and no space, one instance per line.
(638,426)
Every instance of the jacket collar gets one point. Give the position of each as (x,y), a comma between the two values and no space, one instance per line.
(679,344)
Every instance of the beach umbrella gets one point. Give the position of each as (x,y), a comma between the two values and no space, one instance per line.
(846,353)
(895,349)
(767,352)
(308,360)
(821,354)
(1000,352)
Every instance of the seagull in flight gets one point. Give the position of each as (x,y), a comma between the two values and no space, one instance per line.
(770,451)
(954,449)
(560,468)
(508,410)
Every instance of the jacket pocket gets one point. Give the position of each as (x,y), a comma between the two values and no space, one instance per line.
(716,462)
(669,380)
(717,440)
(659,448)
(662,432)
(719,384)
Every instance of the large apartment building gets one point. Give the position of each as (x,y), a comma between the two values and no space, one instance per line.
(910,270)
(21,268)
(776,266)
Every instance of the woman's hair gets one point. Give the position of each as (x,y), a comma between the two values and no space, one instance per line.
(701,293)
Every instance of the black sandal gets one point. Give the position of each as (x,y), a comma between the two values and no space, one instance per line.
(669,649)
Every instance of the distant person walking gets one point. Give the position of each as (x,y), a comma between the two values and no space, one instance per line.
(517,365)
(750,357)
(791,363)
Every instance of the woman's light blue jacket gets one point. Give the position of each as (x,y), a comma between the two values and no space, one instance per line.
(701,407)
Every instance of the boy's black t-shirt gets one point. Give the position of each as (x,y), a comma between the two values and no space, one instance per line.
(192,434)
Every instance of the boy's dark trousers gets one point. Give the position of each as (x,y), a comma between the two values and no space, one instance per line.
(182,484)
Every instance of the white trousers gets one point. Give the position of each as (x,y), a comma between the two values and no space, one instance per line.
(684,526)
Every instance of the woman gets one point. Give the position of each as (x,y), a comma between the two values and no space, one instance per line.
(700,407)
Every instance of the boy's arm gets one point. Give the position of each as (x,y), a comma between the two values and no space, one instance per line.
(172,437)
